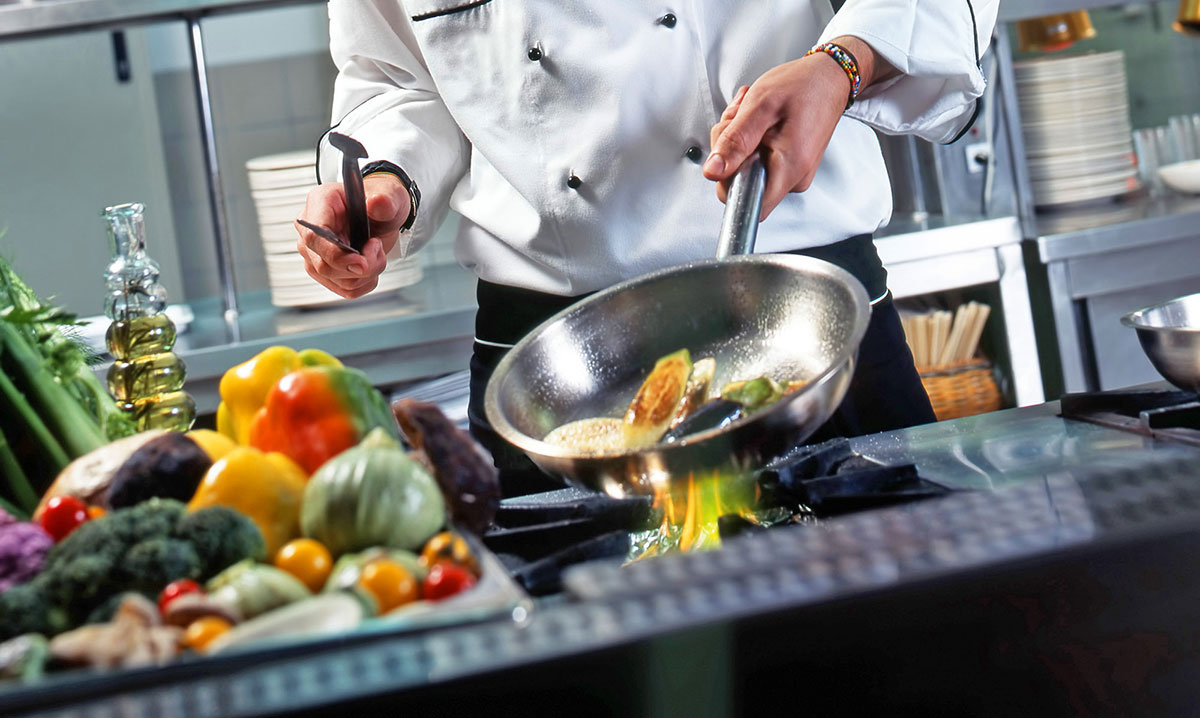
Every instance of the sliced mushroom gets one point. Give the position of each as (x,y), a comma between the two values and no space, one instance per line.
(187,608)
(134,637)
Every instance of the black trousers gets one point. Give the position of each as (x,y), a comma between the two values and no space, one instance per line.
(885,393)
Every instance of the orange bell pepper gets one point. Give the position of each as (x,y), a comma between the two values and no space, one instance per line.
(315,413)
(244,388)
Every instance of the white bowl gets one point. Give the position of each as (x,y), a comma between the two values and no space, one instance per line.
(1182,176)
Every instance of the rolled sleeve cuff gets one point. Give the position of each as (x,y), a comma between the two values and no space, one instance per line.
(934,48)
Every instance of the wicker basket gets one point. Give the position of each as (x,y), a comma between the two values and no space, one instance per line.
(962,389)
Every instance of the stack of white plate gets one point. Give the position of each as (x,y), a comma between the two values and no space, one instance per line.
(279,185)
(1075,119)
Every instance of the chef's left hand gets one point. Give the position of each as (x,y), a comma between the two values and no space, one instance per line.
(791,112)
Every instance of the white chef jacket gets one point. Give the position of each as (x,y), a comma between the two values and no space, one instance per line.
(492,106)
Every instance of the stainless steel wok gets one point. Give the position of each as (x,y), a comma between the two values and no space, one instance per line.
(784,316)
(1170,336)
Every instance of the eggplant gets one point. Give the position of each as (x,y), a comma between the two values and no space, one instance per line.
(651,411)
(712,415)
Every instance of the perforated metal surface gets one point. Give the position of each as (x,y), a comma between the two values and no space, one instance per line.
(784,569)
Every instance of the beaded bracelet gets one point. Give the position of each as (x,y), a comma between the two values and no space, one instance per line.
(844,58)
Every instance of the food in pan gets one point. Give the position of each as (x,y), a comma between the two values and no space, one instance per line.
(654,407)
(673,402)
(599,435)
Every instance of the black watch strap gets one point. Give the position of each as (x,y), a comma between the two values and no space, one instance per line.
(414,192)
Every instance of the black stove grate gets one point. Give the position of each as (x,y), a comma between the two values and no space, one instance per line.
(1163,414)
(538,536)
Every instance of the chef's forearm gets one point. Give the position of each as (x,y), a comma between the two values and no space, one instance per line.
(872,68)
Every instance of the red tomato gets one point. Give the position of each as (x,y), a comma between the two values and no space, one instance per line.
(444,580)
(174,590)
(63,515)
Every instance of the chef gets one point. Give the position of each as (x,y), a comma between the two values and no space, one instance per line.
(587,143)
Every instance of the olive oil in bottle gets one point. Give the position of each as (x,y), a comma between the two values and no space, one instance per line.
(146,377)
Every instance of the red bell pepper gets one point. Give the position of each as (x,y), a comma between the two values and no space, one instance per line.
(317,412)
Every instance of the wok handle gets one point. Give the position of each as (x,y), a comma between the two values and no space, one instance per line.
(743,205)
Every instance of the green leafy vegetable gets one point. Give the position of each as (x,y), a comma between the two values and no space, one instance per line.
(53,408)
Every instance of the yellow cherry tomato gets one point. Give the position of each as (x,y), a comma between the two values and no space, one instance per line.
(95,512)
(449,547)
(203,631)
(307,560)
(390,583)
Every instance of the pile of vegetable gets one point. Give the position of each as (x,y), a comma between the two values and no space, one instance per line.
(313,506)
(53,408)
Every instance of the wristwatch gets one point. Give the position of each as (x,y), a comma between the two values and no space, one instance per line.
(414,192)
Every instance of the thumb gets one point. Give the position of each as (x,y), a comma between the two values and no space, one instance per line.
(387,199)
(738,140)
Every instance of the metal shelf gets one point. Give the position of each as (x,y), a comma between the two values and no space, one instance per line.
(1013,10)
(29,18)
(1112,226)
(420,332)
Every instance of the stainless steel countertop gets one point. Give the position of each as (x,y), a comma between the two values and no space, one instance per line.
(1107,226)
(1004,448)
(426,330)
(422,331)
(905,239)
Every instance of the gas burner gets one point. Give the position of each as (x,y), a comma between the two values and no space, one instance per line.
(539,535)
(830,479)
(1163,414)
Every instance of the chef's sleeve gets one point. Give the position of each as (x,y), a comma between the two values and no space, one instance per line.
(936,46)
(385,98)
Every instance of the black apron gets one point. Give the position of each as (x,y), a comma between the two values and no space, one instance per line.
(885,393)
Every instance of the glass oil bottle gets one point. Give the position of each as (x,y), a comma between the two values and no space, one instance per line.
(146,377)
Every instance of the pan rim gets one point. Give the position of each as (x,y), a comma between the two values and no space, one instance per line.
(502,426)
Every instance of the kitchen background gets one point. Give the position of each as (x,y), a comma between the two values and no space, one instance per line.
(96,118)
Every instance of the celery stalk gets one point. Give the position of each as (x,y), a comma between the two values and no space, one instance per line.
(75,430)
(21,498)
(47,329)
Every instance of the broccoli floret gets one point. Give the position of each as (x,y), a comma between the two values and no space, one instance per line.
(82,584)
(152,564)
(25,609)
(141,549)
(112,535)
(153,517)
(222,537)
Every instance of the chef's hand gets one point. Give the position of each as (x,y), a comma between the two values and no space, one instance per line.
(344,272)
(791,112)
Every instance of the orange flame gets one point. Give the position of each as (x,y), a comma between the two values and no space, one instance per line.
(689,522)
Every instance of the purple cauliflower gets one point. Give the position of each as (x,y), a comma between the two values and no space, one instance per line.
(23,549)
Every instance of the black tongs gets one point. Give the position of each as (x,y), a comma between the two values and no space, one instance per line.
(356,198)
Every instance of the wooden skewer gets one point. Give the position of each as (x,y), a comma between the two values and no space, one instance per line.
(941,333)
(919,333)
(954,343)
(981,316)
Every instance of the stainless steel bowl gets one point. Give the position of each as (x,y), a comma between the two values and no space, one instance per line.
(780,315)
(1170,336)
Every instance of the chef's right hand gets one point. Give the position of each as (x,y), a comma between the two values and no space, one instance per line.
(342,271)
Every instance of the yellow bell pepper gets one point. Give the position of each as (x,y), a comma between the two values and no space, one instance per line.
(214,443)
(244,388)
(267,487)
